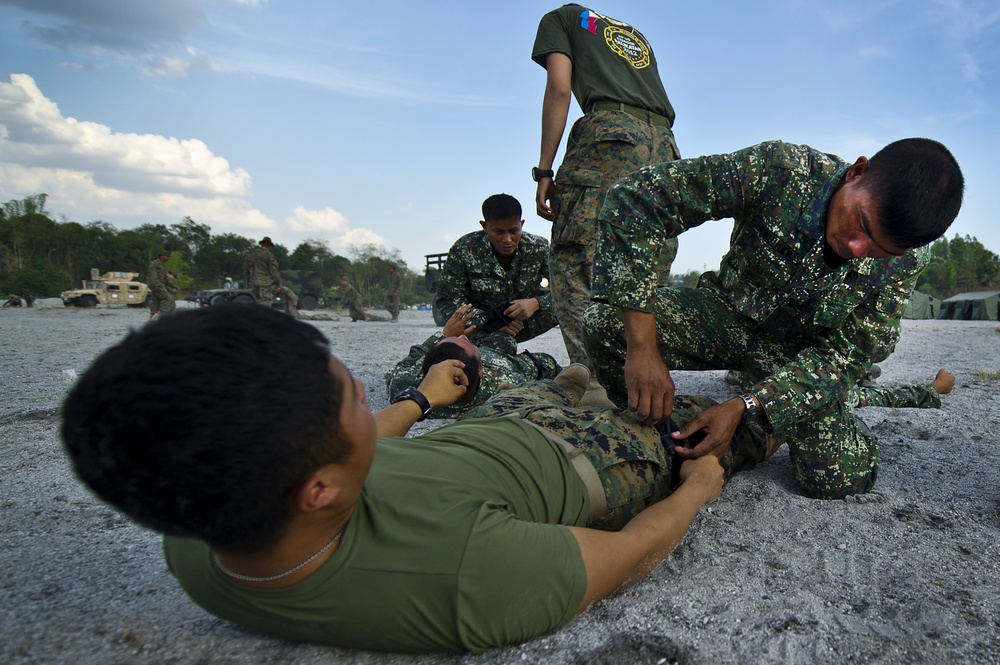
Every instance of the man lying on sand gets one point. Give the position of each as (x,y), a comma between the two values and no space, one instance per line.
(291,509)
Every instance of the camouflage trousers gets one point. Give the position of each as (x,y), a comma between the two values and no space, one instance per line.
(631,462)
(602,147)
(264,293)
(162,303)
(391,304)
(833,453)
(922,396)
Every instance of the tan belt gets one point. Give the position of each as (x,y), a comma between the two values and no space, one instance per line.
(598,499)
(635,111)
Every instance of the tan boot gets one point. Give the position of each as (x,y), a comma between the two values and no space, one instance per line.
(596,395)
(574,380)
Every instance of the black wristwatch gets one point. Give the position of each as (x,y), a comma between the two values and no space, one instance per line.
(751,415)
(537,173)
(416,396)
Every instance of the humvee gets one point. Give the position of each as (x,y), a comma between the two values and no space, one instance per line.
(111,288)
(305,283)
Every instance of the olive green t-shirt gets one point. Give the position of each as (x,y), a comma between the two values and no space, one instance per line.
(612,61)
(457,543)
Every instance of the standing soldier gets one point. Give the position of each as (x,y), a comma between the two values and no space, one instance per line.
(611,70)
(392,294)
(261,270)
(162,301)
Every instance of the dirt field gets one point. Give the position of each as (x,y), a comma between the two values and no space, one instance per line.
(907,574)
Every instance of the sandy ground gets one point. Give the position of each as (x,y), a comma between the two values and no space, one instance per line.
(908,574)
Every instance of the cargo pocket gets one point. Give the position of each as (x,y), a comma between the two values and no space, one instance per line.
(580,196)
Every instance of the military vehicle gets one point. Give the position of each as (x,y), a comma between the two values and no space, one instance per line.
(305,283)
(111,288)
(432,275)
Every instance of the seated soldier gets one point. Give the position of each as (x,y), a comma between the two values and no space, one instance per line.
(499,270)
(488,370)
(329,527)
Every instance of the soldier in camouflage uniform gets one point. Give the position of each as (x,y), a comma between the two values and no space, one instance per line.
(392,293)
(611,70)
(162,300)
(823,257)
(497,265)
(497,370)
(353,300)
(261,269)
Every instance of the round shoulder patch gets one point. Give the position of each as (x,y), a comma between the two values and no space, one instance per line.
(627,45)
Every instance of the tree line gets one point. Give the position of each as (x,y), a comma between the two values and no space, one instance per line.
(956,266)
(41,256)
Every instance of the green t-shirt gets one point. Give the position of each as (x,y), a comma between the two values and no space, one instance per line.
(456,544)
(611,60)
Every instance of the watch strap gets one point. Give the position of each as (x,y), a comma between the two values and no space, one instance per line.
(416,396)
(537,173)
(750,415)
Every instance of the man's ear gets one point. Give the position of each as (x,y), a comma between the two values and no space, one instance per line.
(482,223)
(522,224)
(320,490)
(858,169)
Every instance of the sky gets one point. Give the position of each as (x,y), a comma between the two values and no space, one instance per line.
(389,123)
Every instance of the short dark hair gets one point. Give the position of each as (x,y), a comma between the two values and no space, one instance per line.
(205,423)
(501,206)
(917,186)
(446,349)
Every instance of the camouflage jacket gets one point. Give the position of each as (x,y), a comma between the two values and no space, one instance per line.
(261,268)
(472,274)
(157,277)
(500,371)
(838,321)
(351,295)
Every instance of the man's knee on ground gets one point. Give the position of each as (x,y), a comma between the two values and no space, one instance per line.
(835,484)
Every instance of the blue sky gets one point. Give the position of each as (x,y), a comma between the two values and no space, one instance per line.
(390,122)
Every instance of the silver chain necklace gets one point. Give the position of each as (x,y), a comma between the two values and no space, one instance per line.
(247,578)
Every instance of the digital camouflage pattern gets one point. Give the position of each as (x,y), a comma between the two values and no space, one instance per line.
(919,396)
(633,465)
(602,147)
(801,332)
(472,274)
(261,270)
(500,371)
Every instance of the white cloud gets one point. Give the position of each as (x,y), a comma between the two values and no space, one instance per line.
(91,172)
(34,134)
(330,225)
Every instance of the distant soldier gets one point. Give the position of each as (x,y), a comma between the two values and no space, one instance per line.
(29,300)
(353,299)
(13,300)
(392,293)
(261,269)
(162,301)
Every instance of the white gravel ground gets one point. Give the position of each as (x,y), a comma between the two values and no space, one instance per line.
(907,574)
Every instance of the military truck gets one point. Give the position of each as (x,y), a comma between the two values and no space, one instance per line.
(305,283)
(111,288)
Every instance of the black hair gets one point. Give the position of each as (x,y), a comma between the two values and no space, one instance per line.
(205,423)
(917,186)
(447,349)
(501,206)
